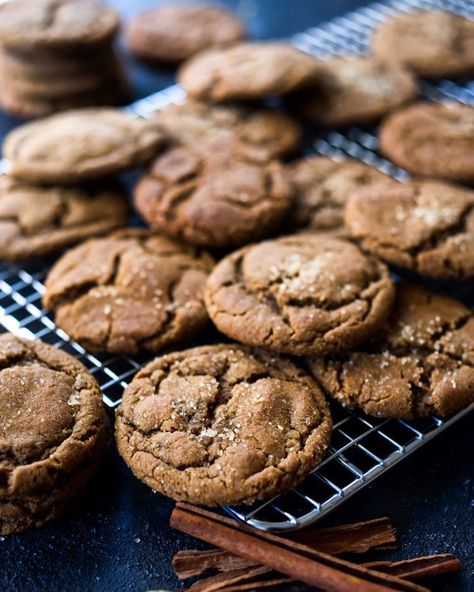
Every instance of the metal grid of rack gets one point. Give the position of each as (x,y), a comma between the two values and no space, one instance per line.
(362,448)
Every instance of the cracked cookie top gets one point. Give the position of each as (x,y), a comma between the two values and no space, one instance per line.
(247,71)
(427,226)
(354,90)
(35,221)
(323,187)
(130,291)
(52,421)
(421,364)
(64,24)
(429,42)
(185,194)
(80,145)
(174,33)
(252,133)
(431,140)
(300,294)
(222,424)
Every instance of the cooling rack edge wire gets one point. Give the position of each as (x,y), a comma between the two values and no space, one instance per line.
(362,448)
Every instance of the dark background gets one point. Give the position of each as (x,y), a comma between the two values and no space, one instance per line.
(120,540)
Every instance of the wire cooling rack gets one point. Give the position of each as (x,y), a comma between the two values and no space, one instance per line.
(361,448)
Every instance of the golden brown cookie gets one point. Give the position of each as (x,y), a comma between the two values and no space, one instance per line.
(427,226)
(67,87)
(257,134)
(55,64)
(222,424)
(249,71)
(432,43)
(356,90)
(36,221)
(64,24)
(432,140)
(186,196)
(303,294)
(29,106)
(173,33)
(421,364)
(131,291)
(80,145)
(323,187)
(53,432)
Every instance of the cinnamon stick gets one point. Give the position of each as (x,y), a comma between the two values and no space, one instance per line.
(293,559)
(419,567)
(224,580)
(357,537)
(235,582)
(258,585)
(190,563)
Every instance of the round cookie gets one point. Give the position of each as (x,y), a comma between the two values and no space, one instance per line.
(66,88)
(302,294)
(35,221)
(323,187)
(53,432)
(421,364)
(431,140)
(186,196)
(248,71)
(60,24)
(427,226)
(41,64)
(355,90)
(80,145)
(432,43)
(222,424)
(174,33)
(29,106)
(257,134)
(131,291)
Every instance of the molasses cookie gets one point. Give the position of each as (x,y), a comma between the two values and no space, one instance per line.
(249,71)
(222,424)
(355,90)
(174,33)
(302,294)
(133,290)
(29,106)
(257,134)
(80,145)
(432,140)
(37,65)
(35,221)
(53,432)
(426,226)
(421,364)
(323,187)
(186,196)
(60,24)
(431,43)
(66,87)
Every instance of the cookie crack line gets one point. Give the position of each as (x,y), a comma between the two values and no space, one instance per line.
(410,349)
(148,435)
(370,280)
(50,16)
(272,303)
(438,239)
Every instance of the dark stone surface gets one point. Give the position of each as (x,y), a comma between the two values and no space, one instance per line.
(120,540)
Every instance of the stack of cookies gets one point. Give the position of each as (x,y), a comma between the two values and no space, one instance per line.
(58,54)
(61,187)
(285,259)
